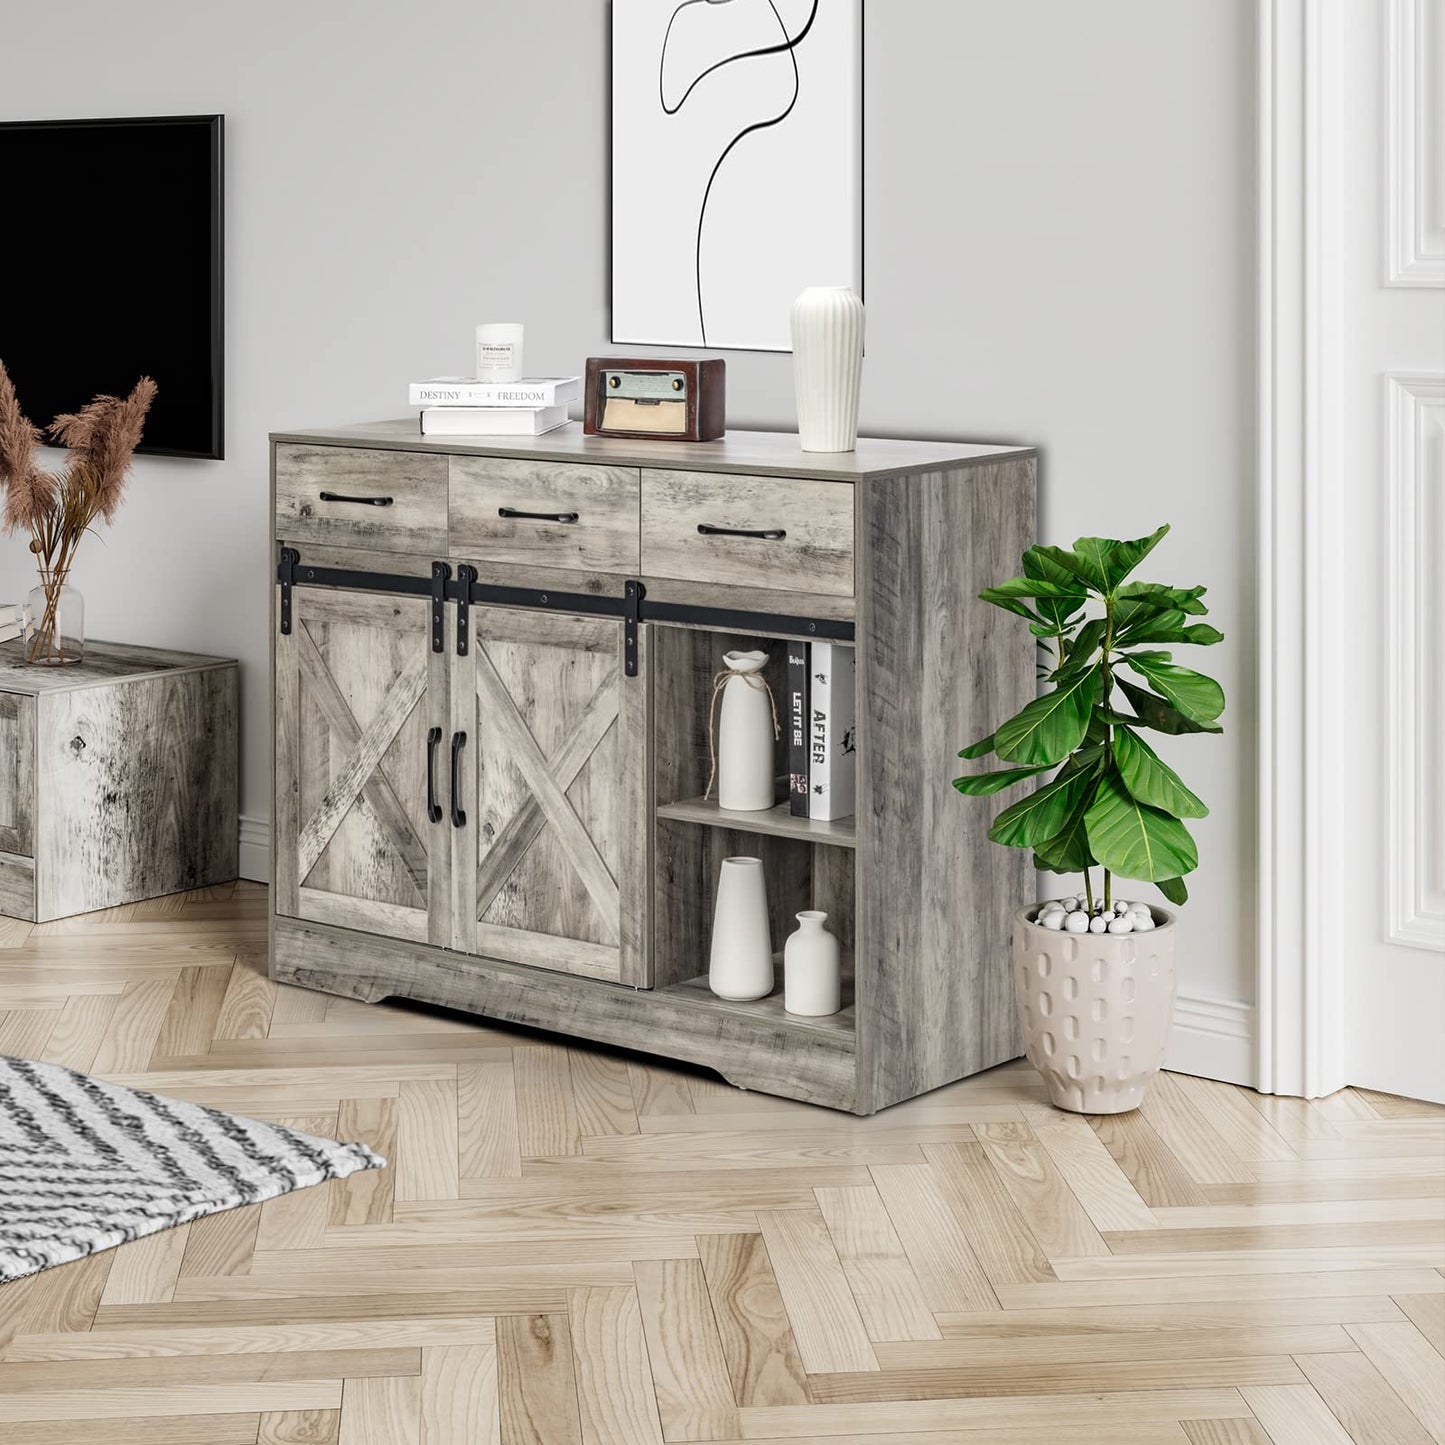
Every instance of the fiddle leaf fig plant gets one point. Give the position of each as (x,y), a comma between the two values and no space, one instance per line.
(1113,802)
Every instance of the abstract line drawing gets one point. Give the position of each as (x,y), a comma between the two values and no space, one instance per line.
(736,181)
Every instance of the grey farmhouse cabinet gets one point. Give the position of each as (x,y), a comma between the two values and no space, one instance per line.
(494,660)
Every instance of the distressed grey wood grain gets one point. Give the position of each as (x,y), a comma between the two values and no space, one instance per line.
(769,453)
(358,689)
(560,810)
(17,887)
(414,521)
(757,1048)
(814,554)
(605,501)
(135,782)
(103,662)
(937,669)
(17,773)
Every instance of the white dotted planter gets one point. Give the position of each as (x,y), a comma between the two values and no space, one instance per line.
(1095,1010)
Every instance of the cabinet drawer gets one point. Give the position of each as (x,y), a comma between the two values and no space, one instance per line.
(749,531)
(344,496)
(17,773)
(548,513)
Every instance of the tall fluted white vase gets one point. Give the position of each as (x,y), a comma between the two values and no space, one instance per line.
(740,964)
(827,325)
(745,736)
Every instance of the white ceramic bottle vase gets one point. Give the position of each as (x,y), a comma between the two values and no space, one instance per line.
(740,965)
(746,735)
(812,969)
(827,324)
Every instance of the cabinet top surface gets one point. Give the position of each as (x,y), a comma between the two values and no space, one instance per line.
(774,453)
(103,663)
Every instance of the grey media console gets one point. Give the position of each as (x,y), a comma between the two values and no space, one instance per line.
(493,662)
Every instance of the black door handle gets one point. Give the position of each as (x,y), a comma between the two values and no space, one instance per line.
(459,741)
(512,512)
(360,501)
(433,808)
(763,534)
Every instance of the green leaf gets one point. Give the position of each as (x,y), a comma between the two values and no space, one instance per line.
(1081,569)
(1154,712)
(1173,889)
(1154,596)
(981,785)
(1151,780)
(1168,625)
(1068,850)
(1083,650)
(1190,693)
(981,749)
(1039,816)
(1057,612)
(1050,727)
(1027,587)
(1134,840)
(1106,562)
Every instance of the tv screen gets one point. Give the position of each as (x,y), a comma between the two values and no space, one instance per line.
(111,270)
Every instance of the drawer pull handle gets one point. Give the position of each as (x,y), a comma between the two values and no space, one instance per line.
(459,741)
(359,501)
(512,513)
(763,534)
(433,808)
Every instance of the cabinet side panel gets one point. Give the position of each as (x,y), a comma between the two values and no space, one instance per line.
(17,773)
(138,788)
(937,669)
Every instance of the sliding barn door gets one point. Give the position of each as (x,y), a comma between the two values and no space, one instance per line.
(361,714)
(551,865)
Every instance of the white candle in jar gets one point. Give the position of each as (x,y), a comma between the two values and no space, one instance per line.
(499,351)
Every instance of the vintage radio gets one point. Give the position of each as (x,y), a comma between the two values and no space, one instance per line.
(681,400)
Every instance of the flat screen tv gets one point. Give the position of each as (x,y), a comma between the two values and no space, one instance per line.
(111,270)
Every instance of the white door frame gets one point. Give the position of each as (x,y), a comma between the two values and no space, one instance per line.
(1300,1013)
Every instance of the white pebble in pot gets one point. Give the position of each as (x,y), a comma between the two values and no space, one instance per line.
(1140,908)
(1097,925)
(1143,922)
(1121,907)
(1077,923)
(1121,925)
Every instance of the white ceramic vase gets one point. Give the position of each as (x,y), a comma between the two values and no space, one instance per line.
(812,968)
(745,753)
(1095,1010)
(827,325)
(740,965)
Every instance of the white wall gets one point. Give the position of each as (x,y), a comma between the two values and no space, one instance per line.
(1059,251)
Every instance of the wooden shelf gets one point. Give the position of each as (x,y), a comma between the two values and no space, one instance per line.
(776,822)
(696,994)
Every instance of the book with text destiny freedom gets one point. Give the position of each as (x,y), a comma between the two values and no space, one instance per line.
(466,391)
(491,421)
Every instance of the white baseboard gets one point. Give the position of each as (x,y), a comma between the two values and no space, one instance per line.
(255,857)
(1214,1038)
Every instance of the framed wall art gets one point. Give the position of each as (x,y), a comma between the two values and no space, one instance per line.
(737,166)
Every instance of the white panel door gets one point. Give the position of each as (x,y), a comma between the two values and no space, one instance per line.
(1391,567)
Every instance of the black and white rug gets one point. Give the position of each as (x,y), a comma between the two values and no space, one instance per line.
(86,1165)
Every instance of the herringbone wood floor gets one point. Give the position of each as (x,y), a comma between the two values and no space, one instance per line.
(574,1246)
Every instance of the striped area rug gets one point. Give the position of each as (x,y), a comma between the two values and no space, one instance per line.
(86,1165)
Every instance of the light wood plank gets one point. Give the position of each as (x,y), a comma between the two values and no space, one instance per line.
(145,1270)
(1003,1242)
(172,1400)
(685,1352)
(299,1427)
(888,1294)
(366,1197)
(427,1140)
(614,1385)
(1101,1187)
(536,1388)
(1427,1313)
(1295,1415)
(829,1331)
(381,1411)
(1404,1357)
(546,1108)
(489,1142)
(459,1401)
(1362,1400)
(752,1321)
(1056,1218)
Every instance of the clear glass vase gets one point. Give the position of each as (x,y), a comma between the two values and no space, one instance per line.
(54,622)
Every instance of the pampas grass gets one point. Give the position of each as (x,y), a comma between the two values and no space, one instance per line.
(59,508)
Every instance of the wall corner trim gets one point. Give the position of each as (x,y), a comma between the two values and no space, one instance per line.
(1213,1038)
(255,852)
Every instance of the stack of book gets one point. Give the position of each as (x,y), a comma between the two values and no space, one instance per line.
(460,406)
(10,621)
(822,732)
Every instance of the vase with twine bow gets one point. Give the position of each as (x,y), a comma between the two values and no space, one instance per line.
(57,509)
(742,742)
